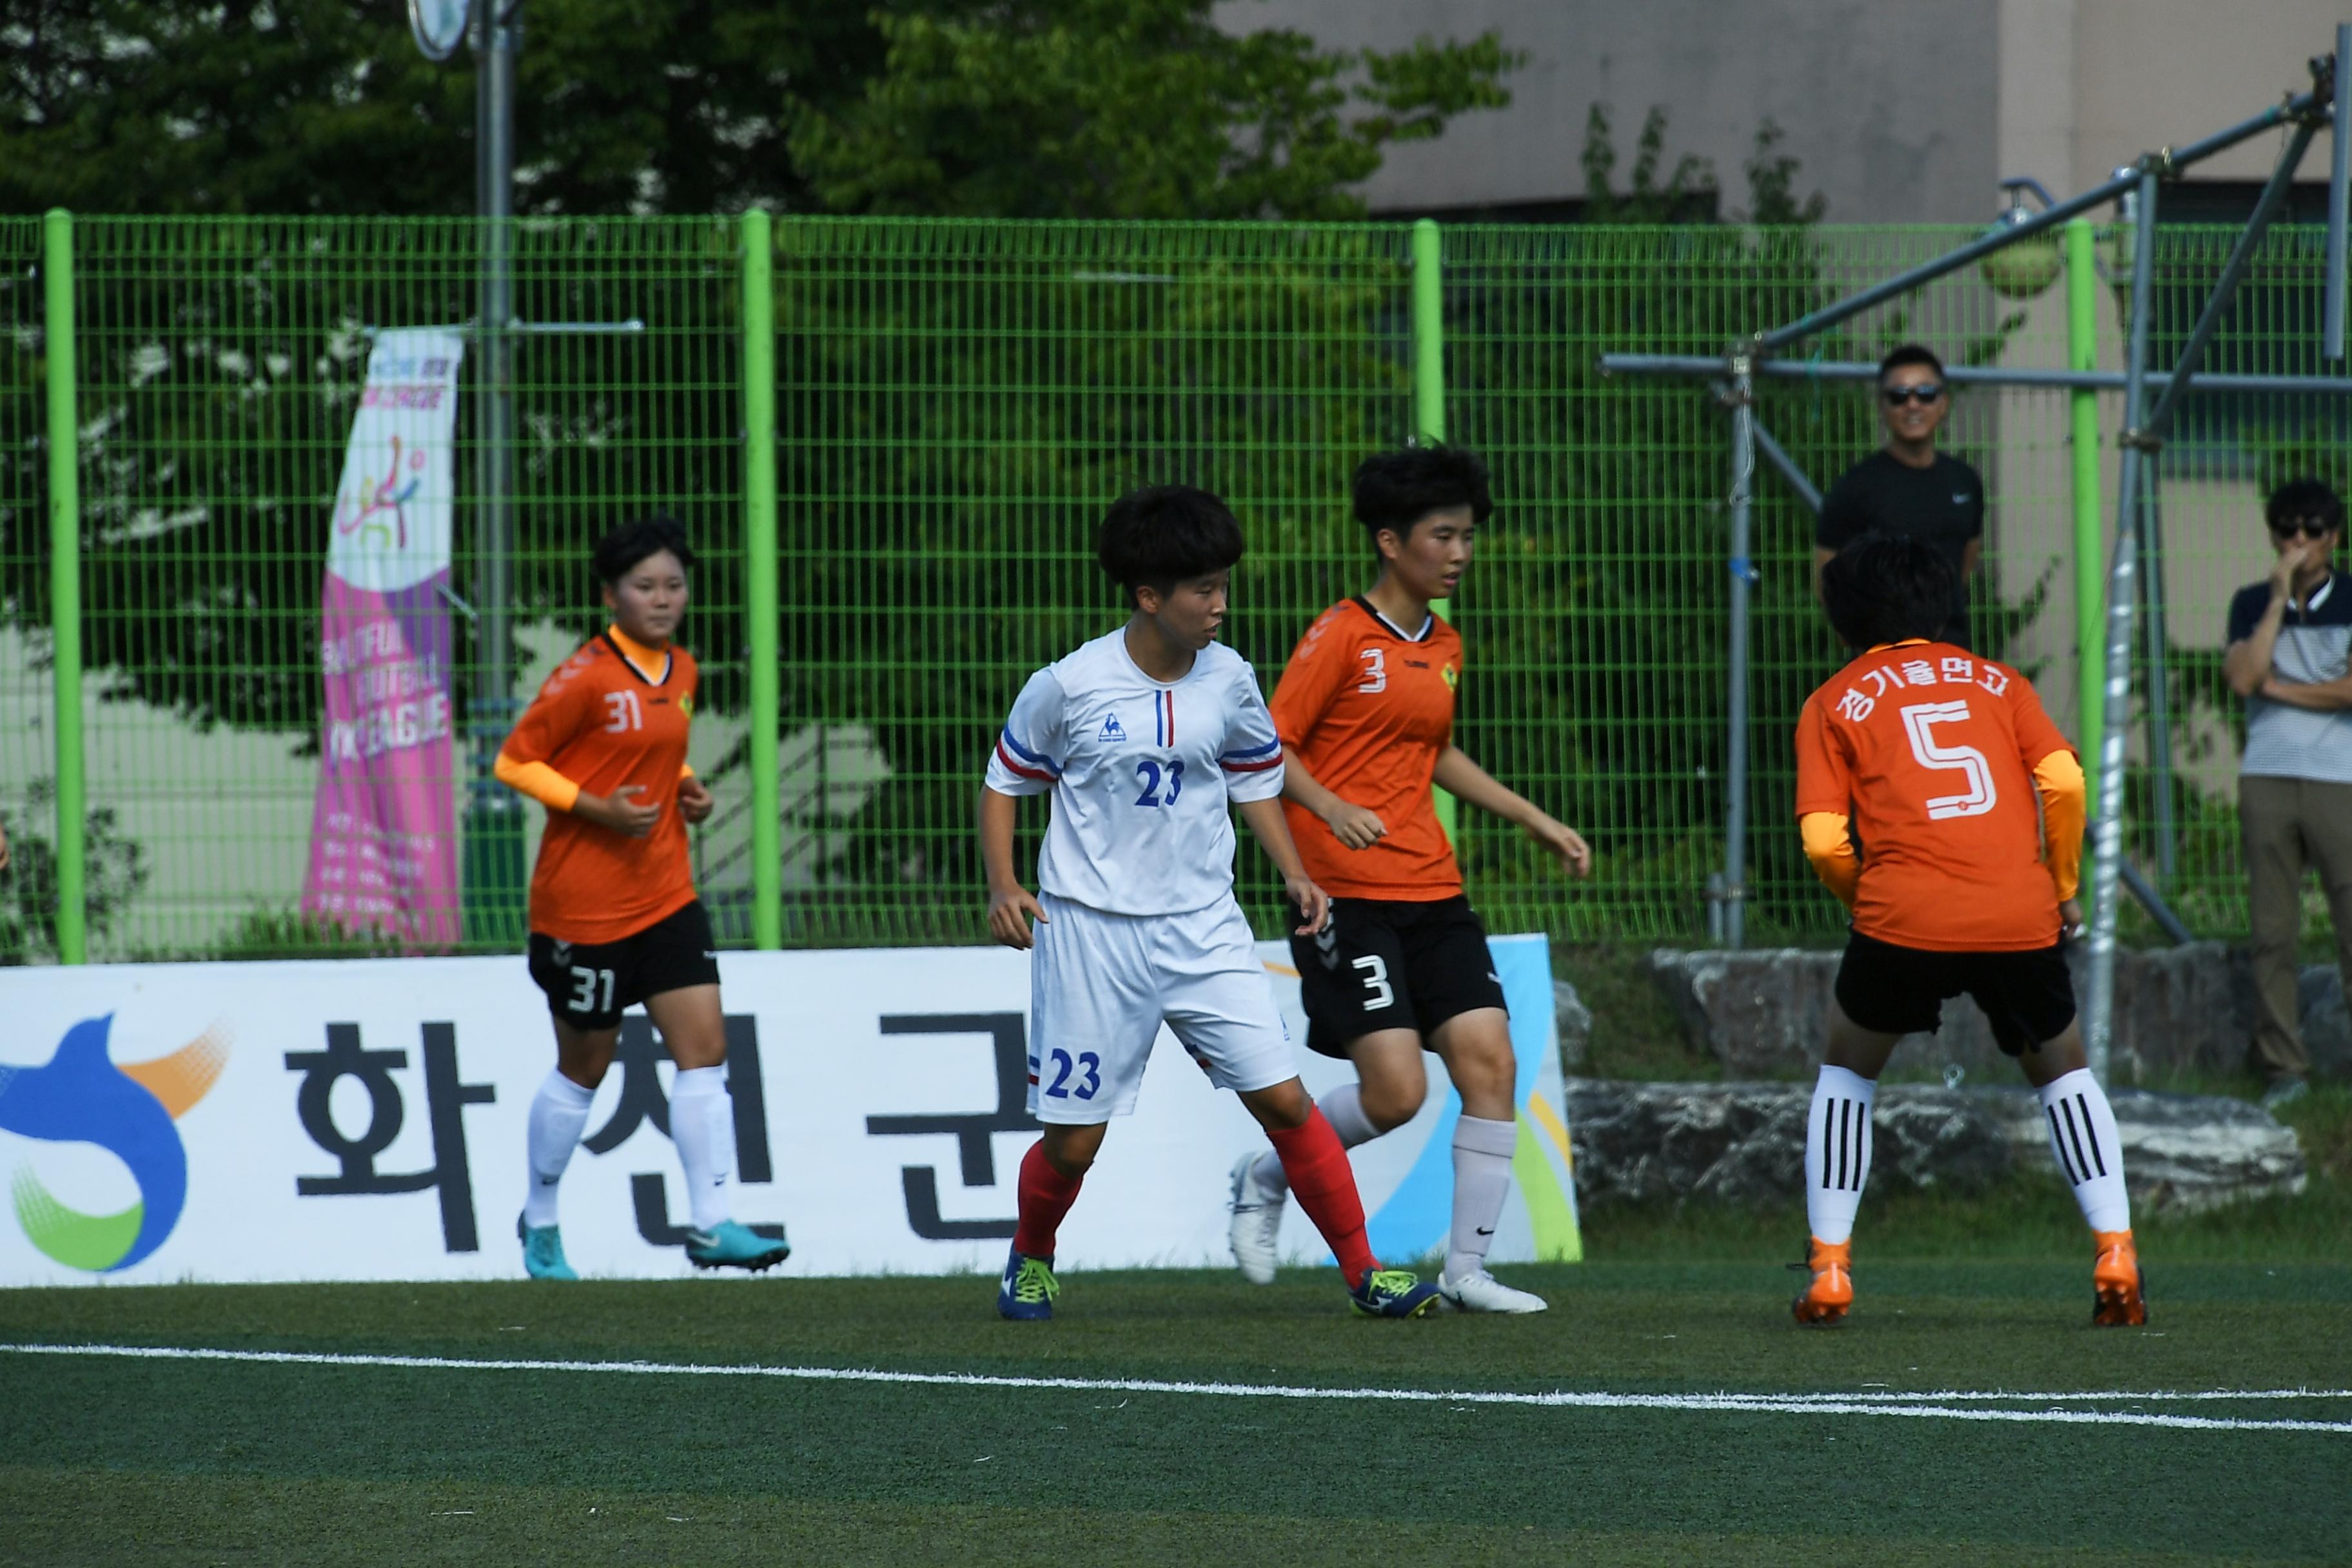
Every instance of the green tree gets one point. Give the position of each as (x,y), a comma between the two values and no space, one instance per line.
(114,868)
(1008,108)
(326,106)
(1138,109)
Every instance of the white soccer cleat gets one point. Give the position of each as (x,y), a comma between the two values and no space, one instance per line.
(1256,1227)
(1482,1292)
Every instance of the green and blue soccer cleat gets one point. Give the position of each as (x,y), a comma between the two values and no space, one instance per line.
(543,1251)
(1393,1293)
(1027,1290)
(731,1245)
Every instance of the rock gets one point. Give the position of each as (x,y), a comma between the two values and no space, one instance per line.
(1571,1024)
(2327,1027)
(1762,1014)
(1745,1142)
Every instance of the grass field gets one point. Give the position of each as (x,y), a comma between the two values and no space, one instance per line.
(114,1459)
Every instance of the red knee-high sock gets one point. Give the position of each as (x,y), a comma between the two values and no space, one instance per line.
(1321,1179)
(1046,1196)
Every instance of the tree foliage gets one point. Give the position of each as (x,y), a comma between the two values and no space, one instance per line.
(1007,108)
(1127,109)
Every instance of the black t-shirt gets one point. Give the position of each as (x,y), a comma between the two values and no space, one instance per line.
(1943,504)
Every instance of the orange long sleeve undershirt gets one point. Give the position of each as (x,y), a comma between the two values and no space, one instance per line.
(1828,845)
(544,785)
(2058,778)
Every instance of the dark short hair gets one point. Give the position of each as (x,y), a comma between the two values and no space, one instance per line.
(1160,535)
(619,551)
(2301,500)
(1911,353)
(1883,589)
(1396,490)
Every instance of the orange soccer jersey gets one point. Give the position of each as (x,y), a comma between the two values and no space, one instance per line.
(1369,708)
(611,715)
(1933,753)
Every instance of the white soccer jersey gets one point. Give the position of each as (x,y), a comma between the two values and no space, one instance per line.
(1142,773)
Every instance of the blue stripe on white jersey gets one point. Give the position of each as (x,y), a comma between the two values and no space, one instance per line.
(1147,774)
(1036,759)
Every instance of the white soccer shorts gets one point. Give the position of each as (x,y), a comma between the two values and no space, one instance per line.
(1101,984)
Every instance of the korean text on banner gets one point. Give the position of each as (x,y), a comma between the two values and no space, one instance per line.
(384,845)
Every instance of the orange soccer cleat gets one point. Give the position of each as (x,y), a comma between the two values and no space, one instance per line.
(1825,1300)
(2118,1286)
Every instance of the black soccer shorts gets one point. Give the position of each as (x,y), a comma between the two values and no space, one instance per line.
(1386,964)
(2028,995)
(590,984)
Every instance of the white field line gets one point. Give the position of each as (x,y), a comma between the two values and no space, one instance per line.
(1905,1405)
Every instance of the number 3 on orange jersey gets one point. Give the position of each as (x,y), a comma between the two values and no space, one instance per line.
(1919,721)
(622,713)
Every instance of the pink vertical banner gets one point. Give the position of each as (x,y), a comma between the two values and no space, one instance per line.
(383,834)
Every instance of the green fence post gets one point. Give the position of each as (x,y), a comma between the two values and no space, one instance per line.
(759,569)
(2090,559)
(1429,385)
(65,577)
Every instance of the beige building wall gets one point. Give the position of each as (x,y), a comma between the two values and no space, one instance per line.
(1900,111)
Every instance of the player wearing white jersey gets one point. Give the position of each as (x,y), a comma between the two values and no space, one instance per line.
(1148,739)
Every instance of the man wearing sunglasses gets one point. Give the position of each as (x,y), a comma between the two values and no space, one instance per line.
(2288,640)
(1907,488)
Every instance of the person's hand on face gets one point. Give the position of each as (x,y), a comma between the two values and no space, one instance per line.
(2300,542)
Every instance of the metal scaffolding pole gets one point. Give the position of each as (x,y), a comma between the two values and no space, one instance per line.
(493,875)
(2339,184)
(2242,256)
(2159,683)
(2009,233)
(1968,375)
(2107,829)
(1786,466)
(1734,890)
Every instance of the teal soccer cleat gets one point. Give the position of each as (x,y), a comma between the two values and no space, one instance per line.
(1027,1291)
(728,1244)
(543,1251)
(1393,1293)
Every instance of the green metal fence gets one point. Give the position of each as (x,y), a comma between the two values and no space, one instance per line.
(918,423)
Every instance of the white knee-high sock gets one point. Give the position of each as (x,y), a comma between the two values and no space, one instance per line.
(2090,1152)
(1482,1179)
(559,1111)
(702,1125)
(1837,1152)
(1343,1108)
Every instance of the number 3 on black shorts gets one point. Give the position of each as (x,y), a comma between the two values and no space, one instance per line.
(1378,993)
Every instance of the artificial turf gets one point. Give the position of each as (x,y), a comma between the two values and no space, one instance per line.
(170,1462)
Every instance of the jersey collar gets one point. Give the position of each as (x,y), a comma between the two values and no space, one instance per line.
(1882,648)
(2319,596)
(1428,622)
(637,657)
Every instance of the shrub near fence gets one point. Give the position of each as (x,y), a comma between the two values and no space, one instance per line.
(955,402)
